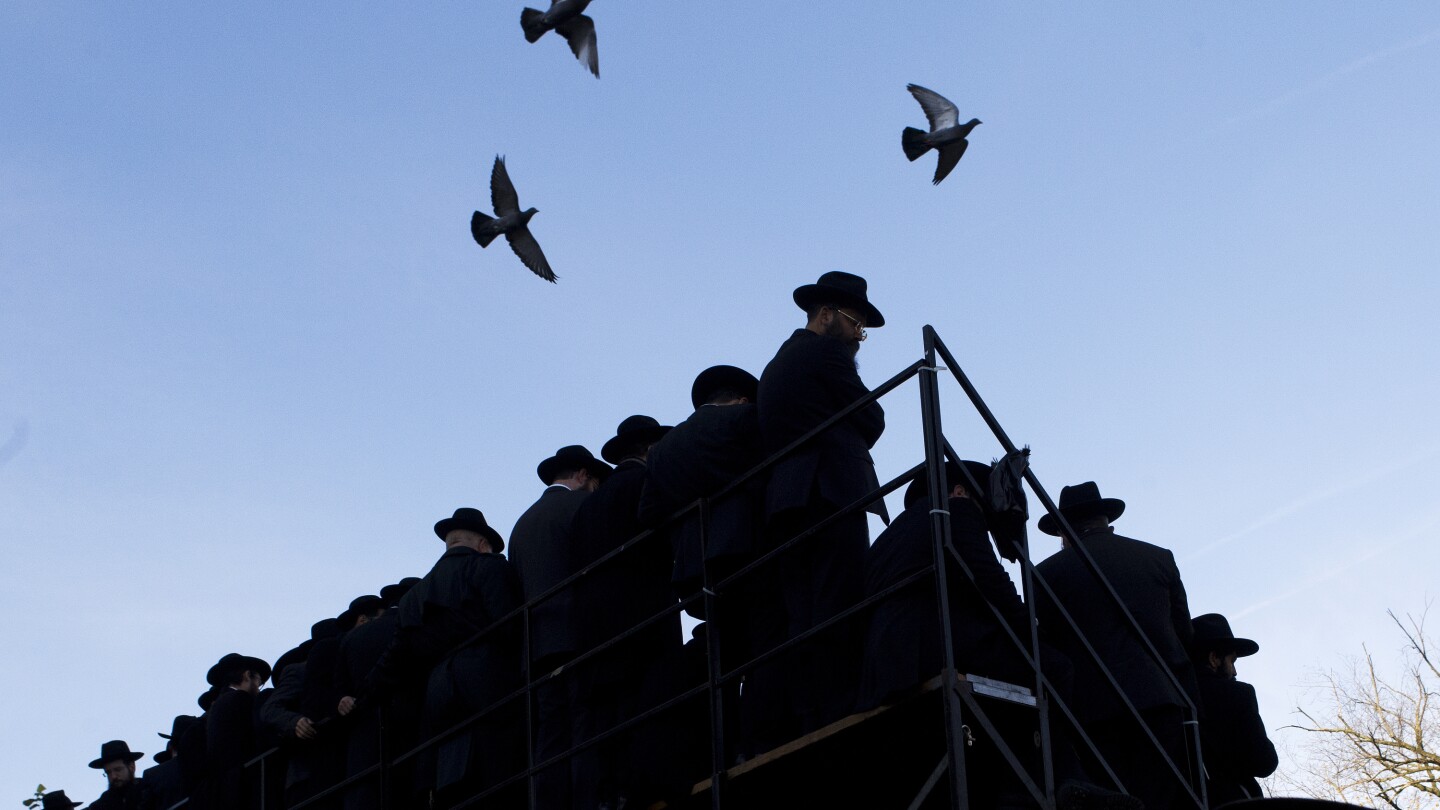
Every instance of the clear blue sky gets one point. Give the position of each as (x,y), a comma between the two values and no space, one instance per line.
(249,352)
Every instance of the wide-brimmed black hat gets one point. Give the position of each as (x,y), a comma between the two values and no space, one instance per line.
(359,606)
(57,800)
(920,485)
(1080,501)
(1212,633)
(635,430)
(181,724)
(570,457)
(392,593)
(841,289)
(232,662)
(294,655)
(470,520)
(113,750)
(718,378)
(207,698)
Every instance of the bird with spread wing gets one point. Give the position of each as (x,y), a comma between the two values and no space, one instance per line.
(564,17)
(946,136)
(510,221)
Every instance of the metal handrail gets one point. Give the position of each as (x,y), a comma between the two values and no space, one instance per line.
(718,678)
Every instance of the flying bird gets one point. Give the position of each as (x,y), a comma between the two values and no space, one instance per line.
(944,136)
(511,221)
(565,18)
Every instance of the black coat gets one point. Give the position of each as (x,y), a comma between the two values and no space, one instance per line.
(465,592)
(698,458)
(231,741)
(166,782)
(627,590)
(903,642)
(135,796)
(809,380)
(540,550)
(1148,581)
(1232,739)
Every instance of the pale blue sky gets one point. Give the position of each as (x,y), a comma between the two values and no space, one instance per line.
(255,354)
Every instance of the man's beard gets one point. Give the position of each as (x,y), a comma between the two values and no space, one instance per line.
(838,331)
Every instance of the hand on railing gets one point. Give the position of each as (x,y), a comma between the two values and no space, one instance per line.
(347,705)
(304,729)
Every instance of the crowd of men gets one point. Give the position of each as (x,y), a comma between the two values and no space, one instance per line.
(595,685)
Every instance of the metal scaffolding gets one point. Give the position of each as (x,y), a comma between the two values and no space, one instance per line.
(963,698)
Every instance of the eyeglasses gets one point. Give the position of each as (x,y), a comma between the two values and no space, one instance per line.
(859,327)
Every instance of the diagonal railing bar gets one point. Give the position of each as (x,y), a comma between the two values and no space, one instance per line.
(1037,792)
(1198,797)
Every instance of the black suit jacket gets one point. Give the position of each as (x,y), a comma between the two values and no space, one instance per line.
(903,641)
(627,590)
(1232,739)
(361,649)
(540,550)
(230,742)
(1148,581)
(698,458)
(809,380)
(165,781)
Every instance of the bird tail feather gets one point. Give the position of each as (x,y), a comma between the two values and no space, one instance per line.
(479,230)
(913,141)
(532,20)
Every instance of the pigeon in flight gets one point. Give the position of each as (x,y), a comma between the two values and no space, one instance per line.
(511,221)
(566,19)
(944,135)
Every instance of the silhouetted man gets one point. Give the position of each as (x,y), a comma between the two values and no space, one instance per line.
(230,730)
(165,779)
(700,457)
(811,378)
(360,649)
(540,550)
(1148,582)
(1232,736)
(125,792)
(613,597)
(470,588)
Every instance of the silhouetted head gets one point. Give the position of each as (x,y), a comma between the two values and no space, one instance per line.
(527,214)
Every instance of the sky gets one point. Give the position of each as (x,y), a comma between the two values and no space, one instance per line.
(249,353)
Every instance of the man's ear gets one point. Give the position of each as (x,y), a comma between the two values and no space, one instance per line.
(1216,660)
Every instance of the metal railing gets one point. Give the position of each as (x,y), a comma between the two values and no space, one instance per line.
(957,702)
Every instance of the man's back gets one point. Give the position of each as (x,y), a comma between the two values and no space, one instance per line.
(540,551)
(810,379)
(1148,581)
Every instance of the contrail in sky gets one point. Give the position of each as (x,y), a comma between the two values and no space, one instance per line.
(1341,569)
(1322,494)
(1300,92)
(12,446)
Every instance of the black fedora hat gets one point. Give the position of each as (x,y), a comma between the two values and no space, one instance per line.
(717,378)
(1081,500)
(230,663)
(842,289)
(1212,632)
(470,520)
(113,750)
(569,457)
(293,655)
(920,485)
(635,430)
(392,593)
(179,726)
(57,800)
(207,698)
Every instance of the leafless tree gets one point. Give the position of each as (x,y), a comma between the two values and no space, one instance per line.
(1377,739)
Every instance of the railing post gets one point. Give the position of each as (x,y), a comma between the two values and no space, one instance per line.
(530,714)
(712,663)
(940,535)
